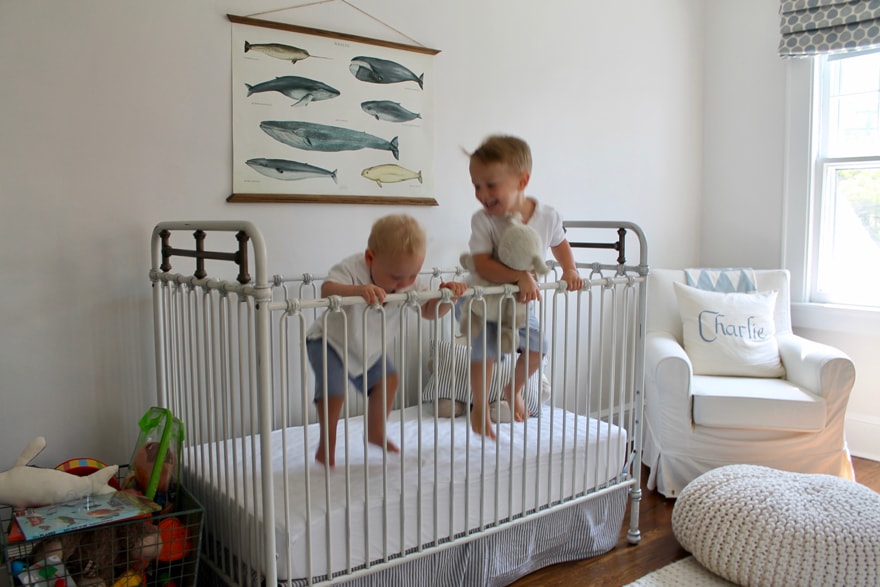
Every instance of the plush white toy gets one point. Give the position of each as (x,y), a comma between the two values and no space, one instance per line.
(520,249)
(23,486)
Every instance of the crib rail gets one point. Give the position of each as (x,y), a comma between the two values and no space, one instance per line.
(231,362)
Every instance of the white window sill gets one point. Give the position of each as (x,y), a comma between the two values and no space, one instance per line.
(835,318)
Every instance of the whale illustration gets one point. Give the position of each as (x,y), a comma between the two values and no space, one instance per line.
(288,170)
(279,51)
(390,173)
(382,71)
(301,89)
(321,137)
(388,111)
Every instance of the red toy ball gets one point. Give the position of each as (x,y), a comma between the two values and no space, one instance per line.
(176,543)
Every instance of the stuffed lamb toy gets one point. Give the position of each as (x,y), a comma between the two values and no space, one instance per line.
(23,486)
(520,249)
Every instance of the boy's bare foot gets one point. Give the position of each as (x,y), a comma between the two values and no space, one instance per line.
(380,441)
(481,423)
(319,456)
(519,406)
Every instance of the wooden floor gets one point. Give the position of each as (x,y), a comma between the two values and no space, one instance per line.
(658,547)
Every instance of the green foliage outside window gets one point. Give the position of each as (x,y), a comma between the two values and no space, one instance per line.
(861,188)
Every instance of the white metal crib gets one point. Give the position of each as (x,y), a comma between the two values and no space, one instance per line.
(451,507)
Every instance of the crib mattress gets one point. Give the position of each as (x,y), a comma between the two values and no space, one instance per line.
(445,484)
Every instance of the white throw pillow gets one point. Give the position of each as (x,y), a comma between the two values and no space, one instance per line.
(729,333)
(441,378)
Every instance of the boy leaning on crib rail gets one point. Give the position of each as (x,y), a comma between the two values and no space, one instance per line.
(500,170)
(390,264)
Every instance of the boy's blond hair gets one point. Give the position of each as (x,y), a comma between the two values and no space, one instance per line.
(507,149)
(395,234)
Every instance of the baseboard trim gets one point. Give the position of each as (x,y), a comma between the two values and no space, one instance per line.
(862,433)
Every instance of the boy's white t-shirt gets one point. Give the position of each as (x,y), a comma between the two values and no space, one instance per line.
(353,270)
(486,230)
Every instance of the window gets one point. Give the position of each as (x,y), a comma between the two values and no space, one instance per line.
(844,259)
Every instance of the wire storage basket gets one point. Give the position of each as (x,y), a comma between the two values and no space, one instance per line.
(150,550)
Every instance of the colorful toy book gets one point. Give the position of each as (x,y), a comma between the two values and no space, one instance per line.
(93,510)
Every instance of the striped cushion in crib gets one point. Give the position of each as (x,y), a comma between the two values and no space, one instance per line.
(446,386)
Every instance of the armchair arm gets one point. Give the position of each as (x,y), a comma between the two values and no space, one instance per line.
(661,346)
(818,368)
(668,377)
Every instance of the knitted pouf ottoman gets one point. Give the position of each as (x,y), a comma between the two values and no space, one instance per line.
(758,526)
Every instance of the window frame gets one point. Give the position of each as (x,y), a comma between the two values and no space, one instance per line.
(807,166)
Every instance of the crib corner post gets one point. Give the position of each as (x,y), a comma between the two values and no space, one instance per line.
(264,407)
(634,535)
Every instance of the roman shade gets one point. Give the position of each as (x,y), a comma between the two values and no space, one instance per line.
(817,27)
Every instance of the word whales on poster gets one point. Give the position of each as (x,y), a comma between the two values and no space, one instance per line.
(288,170)
(390,173)
(279,51)
(382,71)
(321,137)
(301,89)
(388,111)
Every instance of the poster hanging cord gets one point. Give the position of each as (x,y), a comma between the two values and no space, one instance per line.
(347,3)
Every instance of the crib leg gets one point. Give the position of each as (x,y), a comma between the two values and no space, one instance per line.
(634,535)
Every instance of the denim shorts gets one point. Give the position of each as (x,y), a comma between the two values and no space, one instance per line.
(336,376)
(530,332)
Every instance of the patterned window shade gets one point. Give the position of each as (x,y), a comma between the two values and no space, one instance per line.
(816,27)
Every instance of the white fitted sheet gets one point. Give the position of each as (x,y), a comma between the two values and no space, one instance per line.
(532,464)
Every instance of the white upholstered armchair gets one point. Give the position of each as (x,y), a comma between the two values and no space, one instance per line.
(695,423)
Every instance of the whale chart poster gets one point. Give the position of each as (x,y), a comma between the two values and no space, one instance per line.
(329,118)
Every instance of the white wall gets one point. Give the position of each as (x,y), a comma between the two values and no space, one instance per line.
(743,189)
(743,134)
(116,114)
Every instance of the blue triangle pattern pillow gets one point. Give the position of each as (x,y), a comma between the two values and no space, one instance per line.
(722,280)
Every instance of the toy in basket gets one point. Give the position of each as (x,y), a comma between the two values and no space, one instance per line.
(83,467)
(155,467)
(116,555)
(24,486)
(92,534)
